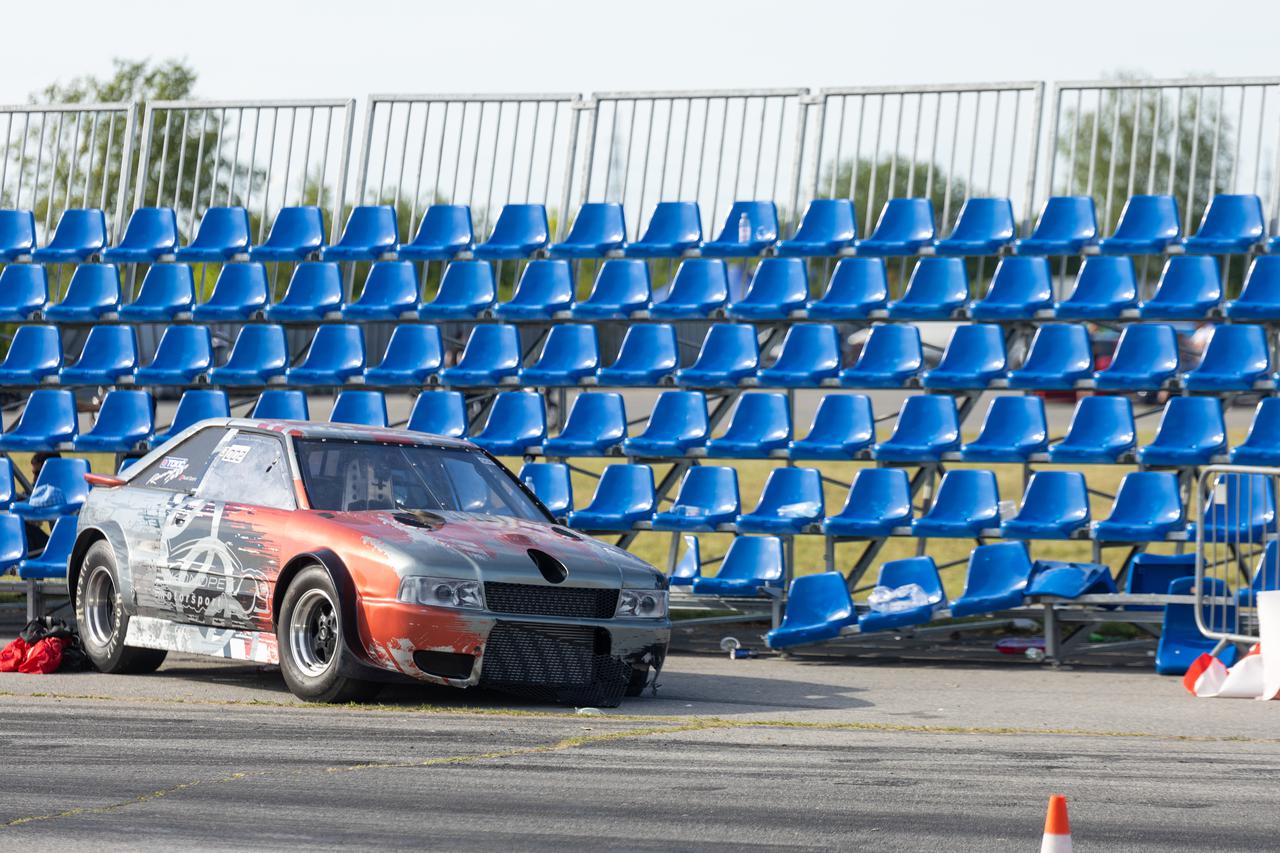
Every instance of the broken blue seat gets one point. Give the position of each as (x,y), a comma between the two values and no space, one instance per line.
(729,354)
(749,228)
(1055,506)
(1151,574)
(974,357)
(779,289)
(545,288)
(193,407)
(81,234)
(699,289)
(938,289)
(827,228)
(444,233)
(54,559)
(1241,508)
(674,228)
(689,566)
(336,354)
(239,293)
(92,294)
(1235,359)
(984,226)
(967,503)
(520,232)
(1104,289)
(314,294)
(621,289)
(894,574)
(708,498)
(996,579)
(1145,359)
(595,426)
(48,419)
(677,424)
(168,292)
(624,496)
(517,422)
(1181,640)
(125,420)
(843,427)
(24,292)
(858,286)
(1069,580)
(150,236)
(648,355)
(570,354)
(110,354)
(549,481)
(905,227)
(751,564)
(1231,224)
(1260,297)
(366,408)
(879,501)
(467,290)
(1262,444)
(35,354)
(371,233)
(1147,508)
(184,354)
(390,293)
(1067,224)
(599,230)
(1148,225)
(1020,289)
(810,355)
(1101,431)
(759,425)
(491,355)
(818,609)
(296,235)
(891,357)
(927,427)
(1189,289)
(278,404)
(1014,428)
(414,353)
(17,235)
(260,353)
(439,413)
(223,234)
(790,502)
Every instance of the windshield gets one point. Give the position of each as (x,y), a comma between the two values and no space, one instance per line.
(350,476)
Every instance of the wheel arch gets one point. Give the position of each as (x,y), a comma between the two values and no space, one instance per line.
(342,582)
(85,539)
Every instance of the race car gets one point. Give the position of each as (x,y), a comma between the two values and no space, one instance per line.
(351,556)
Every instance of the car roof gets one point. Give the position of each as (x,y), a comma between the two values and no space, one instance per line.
(350,432)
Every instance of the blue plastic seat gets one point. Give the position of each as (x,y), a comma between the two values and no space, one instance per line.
(790,502)
(674,228)
(974,357)
(1147,508)
(729,354)
(1020,289)
(904,228)
(1235,358)
(1101,431)
(13,541)
(983,227)
(751,564)
(1259,298)
(65,475)
(879,501)
(1055,506)
(818,609)
(1148,225)
(550,482)
(296,235)
(621,289)
(367,408)
(708,498)
(756,221)
(648,354)
(599,230)
(110,353)
(390,293)
(1014,429)
(278,404)
(48,419)
(35,354)
(689,565)
(151,235)
(967,503)
(1189,289)
(17,234)
(596,425)
(521,231)
(569,355)
(1145,358)
(1058,579)
(239,293)
(445,233)
(699,289)
(937,290)
(491,355)
(124,421)
(314,294)
(1191,432)
(1060,356)
(623,497)
(858,286)
(1181,641)
(921,571)
(517,422)
(1232,224)
(467,290)
(53,560)
(1266,575)
(1262,445)
(1066,225)
(193,407)
(927,427)
(413,353)
(336,354)
(891,357)
(24,292)
(223,234)
(1243,509)
(1151,574)
(677,423)
(1105,288)
(92,294)
(828,227)
(168,292)
(81,234)
(260,353)
(184,354)
(996,579)
(760,424)
(810,355)
(843,427)
(779,289)
(439,413)
(545,289)
(371,233)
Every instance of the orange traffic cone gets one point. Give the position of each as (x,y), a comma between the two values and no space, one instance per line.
(1057,831)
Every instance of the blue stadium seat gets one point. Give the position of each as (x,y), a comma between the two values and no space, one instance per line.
(699,289)
(413,353)
(1055,506)
(1014,429)
(1147,508)
(223,234)
(13,541)
(517,422)
(390,293)
(760,424)
(371,233)
(1266,575)
(1151,574)
(779,289)
(1145,358)
(35,354)
(858,286)
(278,404)
(843,427)
(1020,289)
(168,293)
(1069,580)
(996,579)
(368,408)
(1189,289)
(599,230)
(1181,641)
(1060,356)
(492,354)
(110,353)
(1101,431)
(751,564)
(967,503)
(521,231)
(24,292)
(314,294)
(65,475)
(818,609)
(336,354)
(550,482)
(260,353)
(1191,432)
(81,234)
(974,357)
(53,560)
(927,427)
(790,502)
(17,235)
(708,498)
(937,290)
(828,227)
(922,572)
(1066,225)
(184,354)
(150,236)
(677,423)
(1262,445)
(689,565)
(296,235)
(729,354)
(891,357)
(570,354)
(1242,509)
(1148,225)
(92,294)
(810,354)
(1105,288)
(1235,359)
(239,294)
(48,419)
(193,407)
(648,354)
(623,497)
(621,289)
(545,288)
(879,501)
(596,425)
(467,290)
(984,226)
(904,228)
(124,421)
(444,233)
(1232,224)
(674,228)
(6,491)
(757,221)
(439,413)
(1259,299)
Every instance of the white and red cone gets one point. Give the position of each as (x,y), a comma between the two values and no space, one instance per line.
(1057,831)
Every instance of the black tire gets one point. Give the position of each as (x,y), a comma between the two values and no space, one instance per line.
(102,619)
(309,633)
(638,681)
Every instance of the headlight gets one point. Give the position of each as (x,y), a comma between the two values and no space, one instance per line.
(642,603)
(442,592)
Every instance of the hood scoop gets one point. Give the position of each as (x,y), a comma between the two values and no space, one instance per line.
(552,569)
(419,518)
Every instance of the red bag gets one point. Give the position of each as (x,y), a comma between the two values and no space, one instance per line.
(12,655)
(44,657)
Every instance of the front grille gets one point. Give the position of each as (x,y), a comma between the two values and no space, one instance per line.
(530,600)
(563,663)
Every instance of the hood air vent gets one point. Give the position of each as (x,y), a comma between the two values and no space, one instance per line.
(551,568)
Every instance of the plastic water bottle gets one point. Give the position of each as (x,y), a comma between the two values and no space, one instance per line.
(744,229)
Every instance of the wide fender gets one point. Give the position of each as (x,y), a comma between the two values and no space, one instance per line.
(113,534)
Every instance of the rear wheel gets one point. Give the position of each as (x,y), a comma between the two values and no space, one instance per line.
(102,620)
(309,633)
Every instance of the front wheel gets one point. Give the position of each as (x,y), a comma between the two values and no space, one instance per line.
(309,633)
(102,620)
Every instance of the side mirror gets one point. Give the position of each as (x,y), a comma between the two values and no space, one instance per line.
(103,481)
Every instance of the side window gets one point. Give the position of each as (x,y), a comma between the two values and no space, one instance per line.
(181,468)
(252,469)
